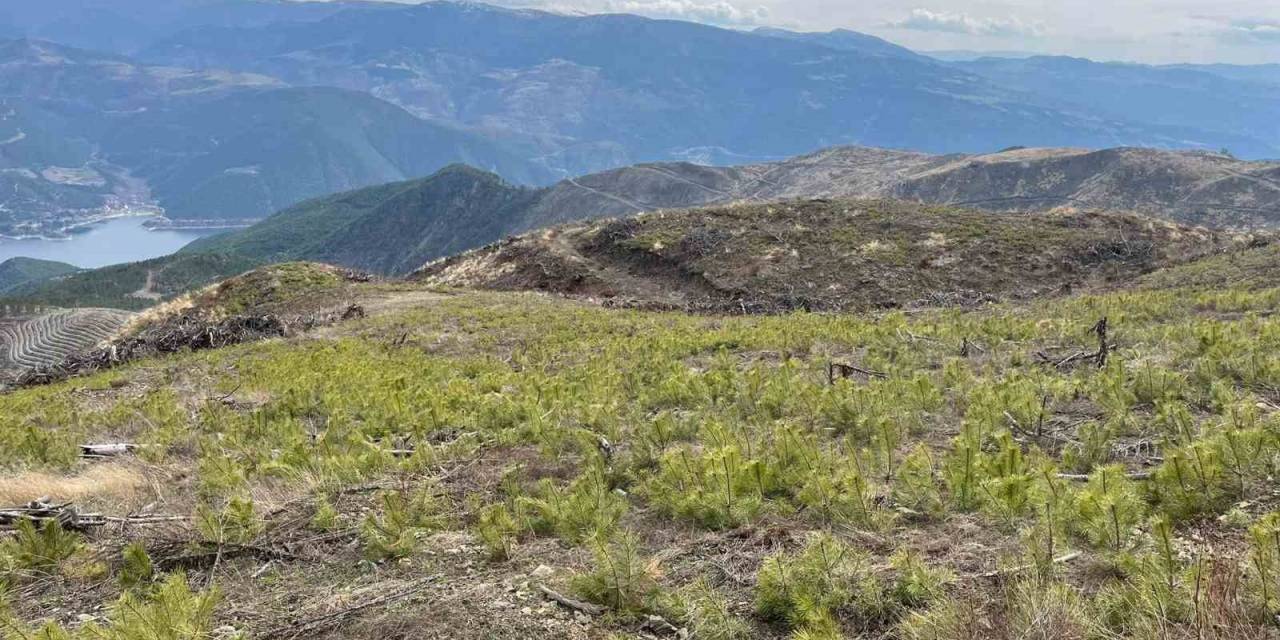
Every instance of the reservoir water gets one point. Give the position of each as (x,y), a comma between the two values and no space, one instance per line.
(110,242)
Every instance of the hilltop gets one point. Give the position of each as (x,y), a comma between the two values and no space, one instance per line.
(19,272)
(392,228)
(135,285)
(1190,187)
(828,255)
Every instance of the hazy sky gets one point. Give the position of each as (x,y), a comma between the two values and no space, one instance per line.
(1242,31)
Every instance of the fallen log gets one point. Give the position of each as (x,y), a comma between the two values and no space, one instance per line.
(108,450)
(42,511)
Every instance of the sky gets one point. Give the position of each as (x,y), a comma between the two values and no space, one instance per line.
(1153,31)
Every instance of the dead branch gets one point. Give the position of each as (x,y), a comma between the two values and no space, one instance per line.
(42,511)
(1082,477)
(1103,348)
(967,347)
(298,627)
(108,450)
(1020,568)
(1013,424)
(570,603)
(213,557)
(839,370)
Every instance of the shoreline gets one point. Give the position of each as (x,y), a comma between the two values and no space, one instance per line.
(162,223)
(68,232)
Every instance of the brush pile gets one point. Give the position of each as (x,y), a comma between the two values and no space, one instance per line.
(186,332)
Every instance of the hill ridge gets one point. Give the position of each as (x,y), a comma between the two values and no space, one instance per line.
(828,254)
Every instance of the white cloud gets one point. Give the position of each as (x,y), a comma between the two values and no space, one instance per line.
(716,12)
(950,22)
(1252,29)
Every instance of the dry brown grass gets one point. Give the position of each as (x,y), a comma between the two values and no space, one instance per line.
(113,483)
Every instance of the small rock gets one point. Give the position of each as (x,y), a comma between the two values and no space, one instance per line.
(543,571)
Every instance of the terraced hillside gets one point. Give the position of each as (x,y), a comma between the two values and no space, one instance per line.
(47,339)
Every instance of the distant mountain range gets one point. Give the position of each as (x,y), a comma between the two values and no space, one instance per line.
(395,228)
(233,109)
(607,90)
(1192,98)
(84,134)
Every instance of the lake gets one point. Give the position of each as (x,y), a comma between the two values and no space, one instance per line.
(110,242)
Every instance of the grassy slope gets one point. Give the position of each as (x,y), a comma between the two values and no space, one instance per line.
(1255,267)
(726,446)
(17,272)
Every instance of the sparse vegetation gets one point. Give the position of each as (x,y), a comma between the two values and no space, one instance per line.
(966,479)
(842,254)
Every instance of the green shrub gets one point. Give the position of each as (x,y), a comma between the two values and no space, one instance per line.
(1007,487)
(1047,611)
(498,530)
(171,611)
(136,569)
(621,579)
(1108,509)
(705,612)
(1191,481)
(588,508)
(1264,562)
(916,584)
(325,516)
(962,472)
(826,576)
(393,531)
(37,549)
(946,619)
(236,523)
(915,486)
